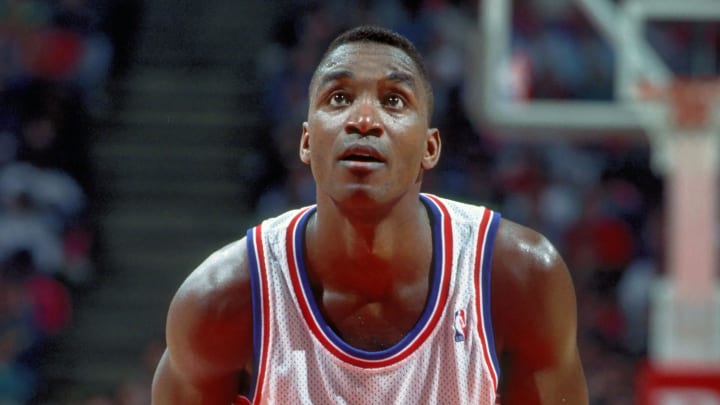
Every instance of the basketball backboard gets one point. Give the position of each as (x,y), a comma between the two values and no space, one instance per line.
(620,46)
(499,92)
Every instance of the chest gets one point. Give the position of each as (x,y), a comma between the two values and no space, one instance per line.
(372,325)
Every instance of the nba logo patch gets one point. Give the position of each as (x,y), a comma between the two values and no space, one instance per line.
(460,325)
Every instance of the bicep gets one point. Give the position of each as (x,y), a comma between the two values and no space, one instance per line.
(209,333)
(170,386)
(540,360)
(544,364)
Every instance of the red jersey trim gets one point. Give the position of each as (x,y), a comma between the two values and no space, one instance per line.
(481,312)
(443,248)
(259,273)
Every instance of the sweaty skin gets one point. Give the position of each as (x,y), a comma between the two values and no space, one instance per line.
(367,141)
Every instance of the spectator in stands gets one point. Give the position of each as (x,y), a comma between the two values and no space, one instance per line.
(94,64)
(18,332)
(55,57)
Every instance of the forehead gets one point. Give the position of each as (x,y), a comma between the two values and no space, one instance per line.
(367,59)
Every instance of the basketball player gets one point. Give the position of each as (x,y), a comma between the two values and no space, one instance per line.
(378,294)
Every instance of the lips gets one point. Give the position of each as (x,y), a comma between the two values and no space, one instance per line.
(362,153)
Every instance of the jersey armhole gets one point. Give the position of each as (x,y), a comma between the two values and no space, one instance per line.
(260,315)
(483,269)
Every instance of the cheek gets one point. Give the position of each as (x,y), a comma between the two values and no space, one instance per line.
(320,152)
(413,145)
(320,147)
(324,121)
(321,137)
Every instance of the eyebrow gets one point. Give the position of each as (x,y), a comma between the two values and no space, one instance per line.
(402,78)
(334,75)
(342,74)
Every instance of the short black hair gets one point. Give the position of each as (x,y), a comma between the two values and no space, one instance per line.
(383,36)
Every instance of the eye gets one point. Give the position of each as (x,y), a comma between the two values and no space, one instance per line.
(339,99)
(394,101)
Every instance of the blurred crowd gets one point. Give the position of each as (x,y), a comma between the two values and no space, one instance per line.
(56,58)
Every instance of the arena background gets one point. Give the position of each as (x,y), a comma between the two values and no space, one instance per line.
(137,137)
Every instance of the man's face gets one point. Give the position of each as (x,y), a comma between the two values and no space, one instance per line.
(367,138)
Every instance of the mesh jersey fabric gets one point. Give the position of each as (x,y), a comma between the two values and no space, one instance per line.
(447,358)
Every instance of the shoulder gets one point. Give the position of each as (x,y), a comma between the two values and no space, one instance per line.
(216,282)
(209,324)
(523,254)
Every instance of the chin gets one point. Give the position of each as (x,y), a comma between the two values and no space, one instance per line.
(361,195)
(363,198)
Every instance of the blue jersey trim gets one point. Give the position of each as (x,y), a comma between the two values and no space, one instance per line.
(256,294)
(435,287)
(486,290)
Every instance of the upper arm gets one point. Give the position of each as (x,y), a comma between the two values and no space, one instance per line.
(209,333)
(535,319)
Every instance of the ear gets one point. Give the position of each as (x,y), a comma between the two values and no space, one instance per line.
(305,144)
(432,149)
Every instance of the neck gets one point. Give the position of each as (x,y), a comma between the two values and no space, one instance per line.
(364,234)
(344,250)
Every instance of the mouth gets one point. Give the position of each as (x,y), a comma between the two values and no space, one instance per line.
(361,159)
(362,154)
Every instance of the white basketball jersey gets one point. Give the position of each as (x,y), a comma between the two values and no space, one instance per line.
(447,358)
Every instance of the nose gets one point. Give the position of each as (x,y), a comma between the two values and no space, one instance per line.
(363,120)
